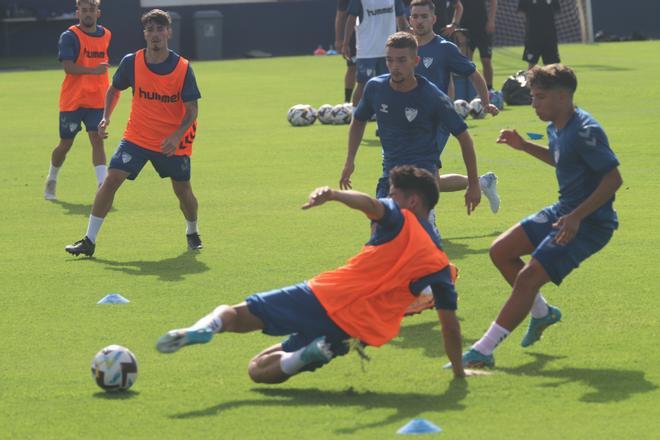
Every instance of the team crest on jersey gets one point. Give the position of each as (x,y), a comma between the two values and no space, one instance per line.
(411,114)
(125,157)
(427,61)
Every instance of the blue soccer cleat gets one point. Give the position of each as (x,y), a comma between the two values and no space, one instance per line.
(537,325)
(317,351)
(175,339)
(475,359)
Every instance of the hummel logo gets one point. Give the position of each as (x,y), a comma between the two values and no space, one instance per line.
(383,108)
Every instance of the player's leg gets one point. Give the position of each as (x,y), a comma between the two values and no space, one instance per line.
(92,119)
(349,81)
(507,250)
(485,45)
(551,53)
(188,204)
(70,125)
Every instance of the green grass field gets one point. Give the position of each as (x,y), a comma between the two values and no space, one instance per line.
(596,375)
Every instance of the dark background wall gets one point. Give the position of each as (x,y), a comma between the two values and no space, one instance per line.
(284,28)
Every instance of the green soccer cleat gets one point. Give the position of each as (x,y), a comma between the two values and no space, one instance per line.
(175,339)
(537,325)
(317,351)
(475,359)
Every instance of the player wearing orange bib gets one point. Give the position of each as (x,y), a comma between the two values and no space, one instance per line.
(83,52)
(364,300)
(161,127)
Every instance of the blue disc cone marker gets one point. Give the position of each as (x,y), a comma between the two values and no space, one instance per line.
(535,136)
(419,426)
(113,298)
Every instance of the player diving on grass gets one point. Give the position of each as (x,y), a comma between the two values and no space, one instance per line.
(363,300)
(563,235)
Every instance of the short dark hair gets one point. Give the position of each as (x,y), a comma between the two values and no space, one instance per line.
(156,16)
(552,76)
(96,3)
(428,3)
(402,40)
(409,179)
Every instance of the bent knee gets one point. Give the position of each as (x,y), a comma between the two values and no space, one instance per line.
(532,275)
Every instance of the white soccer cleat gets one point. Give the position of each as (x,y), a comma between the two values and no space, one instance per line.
(49,190)
(488,183)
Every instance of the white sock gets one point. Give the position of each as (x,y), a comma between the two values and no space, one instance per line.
(491,339)
(540,307)
(212,321)
(101,171)
(191,227)
(52,173)
(93,227)
(291,363)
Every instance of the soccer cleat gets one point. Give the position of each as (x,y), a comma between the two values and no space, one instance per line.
(84,246)
(194,242)
(475,359)
(488,184)
(317,351)
(424,301)
(49,190)
(175,339)
(537,325)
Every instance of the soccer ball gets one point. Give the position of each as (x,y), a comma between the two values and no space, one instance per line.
(496,98)
(462,107)
(325,114)
(301,115)
(114,368)
(477,109)
(342,114)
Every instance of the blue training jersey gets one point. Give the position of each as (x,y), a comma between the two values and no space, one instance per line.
(582,156)
(409,121)
(125,75)
(68,46)
(440,58)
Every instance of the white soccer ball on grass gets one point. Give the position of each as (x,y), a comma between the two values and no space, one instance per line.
(301,115)
(477,110)
(462,107)
(115,368)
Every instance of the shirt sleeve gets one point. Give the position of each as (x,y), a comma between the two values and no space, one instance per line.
(124,77)
(342,5)
(355,8)
(190,91)
(459,63)
(442,286)
(593,147)
(447,116)
(399,9)
(364,111)
(68,46)
(389,226)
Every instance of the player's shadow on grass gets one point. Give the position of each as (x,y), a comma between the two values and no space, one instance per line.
(424,335)
(169,269)
(607,385)
(77,208)
(456,249)
(401,406)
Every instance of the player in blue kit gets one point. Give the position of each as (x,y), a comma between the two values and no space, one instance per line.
(440,58)
(561,236)
(409,110)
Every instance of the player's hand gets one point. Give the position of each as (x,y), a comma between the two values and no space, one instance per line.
(472,197)
(346,51)
(511,138)
(100,69)
(492,109)
(169,144)
(102,128)
(318,197)
(448,30)
(490,27)
(345,180)
(568,228)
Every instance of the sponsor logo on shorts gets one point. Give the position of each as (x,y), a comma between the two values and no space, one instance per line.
(541,217)
(125,157)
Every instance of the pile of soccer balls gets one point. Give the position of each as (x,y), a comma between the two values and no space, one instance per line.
(302,115)
(475,108)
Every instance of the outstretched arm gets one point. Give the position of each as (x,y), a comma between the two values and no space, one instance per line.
(515,141)
(371,207)
(451,334)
